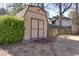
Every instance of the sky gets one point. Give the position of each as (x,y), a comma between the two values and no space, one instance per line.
(56,11)
(3,5)
(52,10)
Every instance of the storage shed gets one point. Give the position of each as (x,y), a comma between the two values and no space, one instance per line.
(35,22)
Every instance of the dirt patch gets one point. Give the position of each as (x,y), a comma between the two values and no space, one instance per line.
(66,47)
(34,48)
(60,47)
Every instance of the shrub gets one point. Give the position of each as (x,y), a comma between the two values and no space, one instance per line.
(11,29)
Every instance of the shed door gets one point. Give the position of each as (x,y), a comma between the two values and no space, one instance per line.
(41,28)
(34,29)
(37,28)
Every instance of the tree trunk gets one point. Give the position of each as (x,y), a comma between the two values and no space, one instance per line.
(60,14)
(75,21)
(77,12)
(77,16)
(42,6)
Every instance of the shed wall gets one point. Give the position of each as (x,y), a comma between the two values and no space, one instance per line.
(37,15)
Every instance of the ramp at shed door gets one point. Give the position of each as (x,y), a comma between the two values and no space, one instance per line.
(37,28)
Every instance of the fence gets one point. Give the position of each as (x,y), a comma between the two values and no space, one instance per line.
(55,30)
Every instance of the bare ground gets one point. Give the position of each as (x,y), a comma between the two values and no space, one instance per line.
(63,46)
(67,45)
(34,48)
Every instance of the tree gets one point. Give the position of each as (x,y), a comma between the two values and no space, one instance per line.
(15,8)
(41,5)
(63,7)
(77,11)
(2,11)
(66,6)
(60,14)
(74,15)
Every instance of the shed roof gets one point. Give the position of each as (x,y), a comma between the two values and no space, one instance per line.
(23,12)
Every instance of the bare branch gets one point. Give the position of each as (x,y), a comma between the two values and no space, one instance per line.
(65,9)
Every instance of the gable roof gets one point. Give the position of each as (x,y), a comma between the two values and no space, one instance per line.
(66,18)
(57,18)
(23,12)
